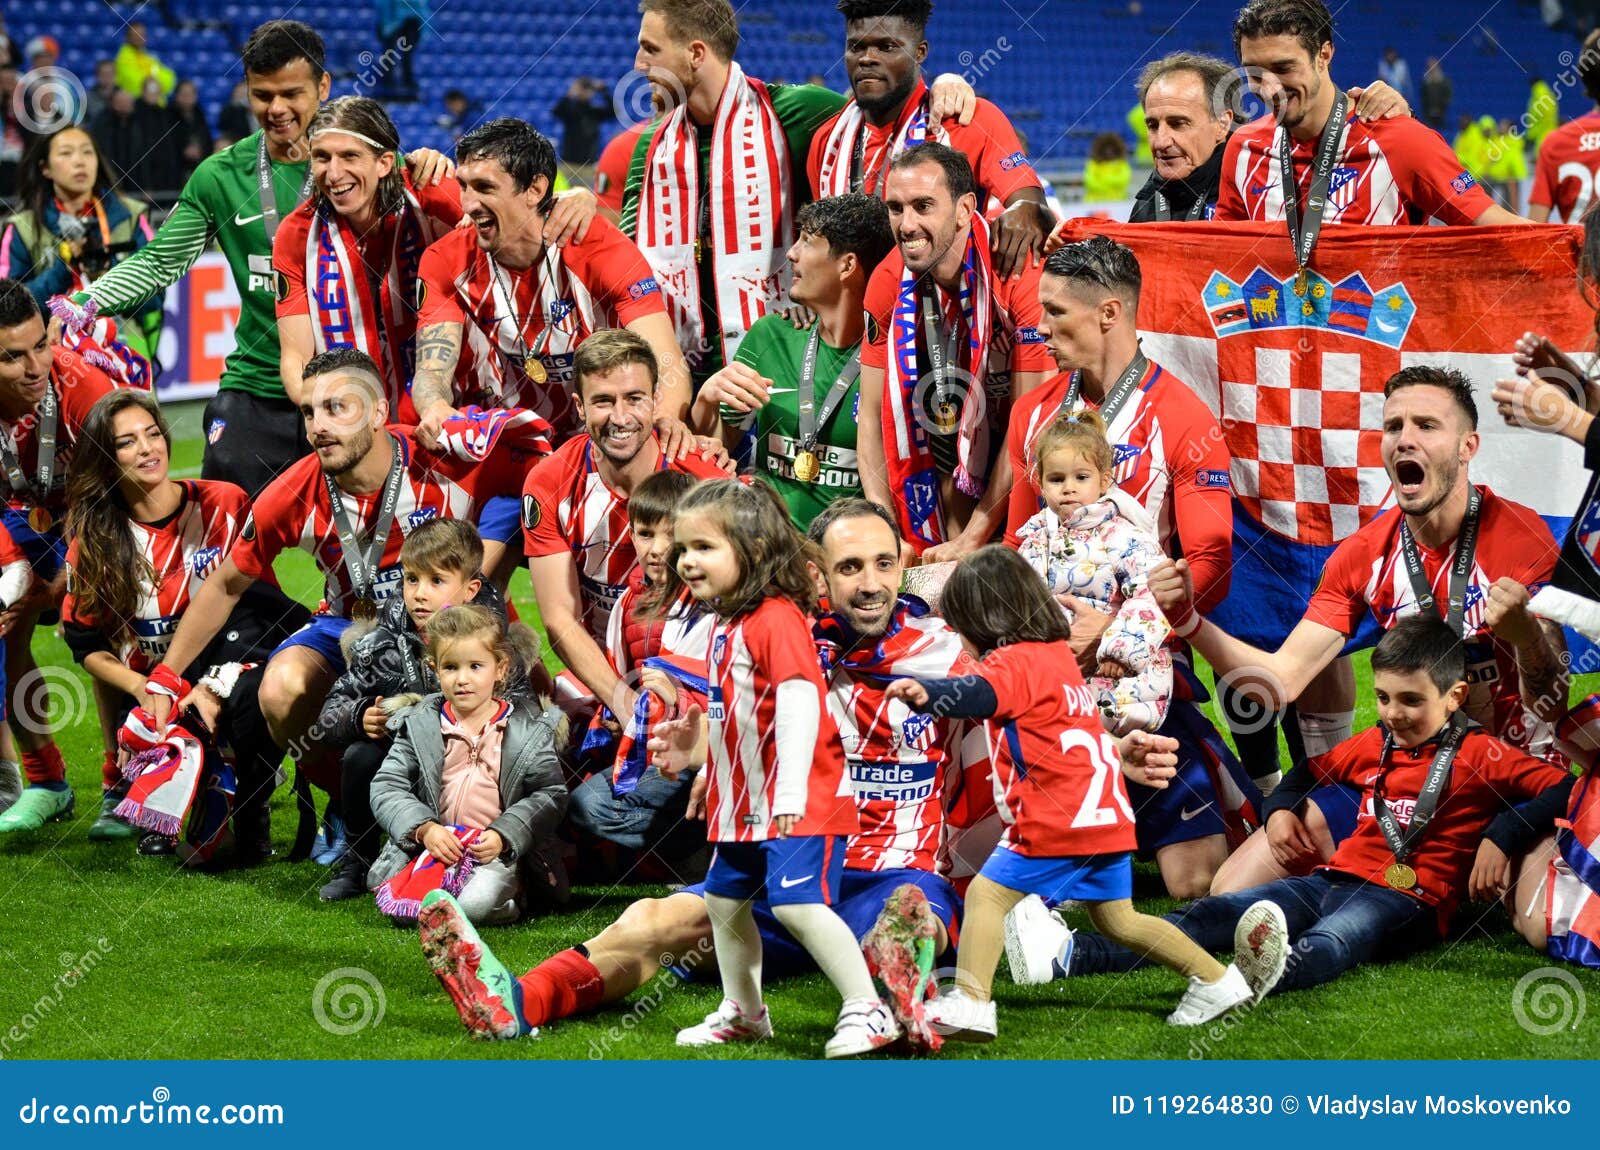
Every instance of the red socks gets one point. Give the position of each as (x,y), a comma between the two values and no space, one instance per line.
(560,987)
(109,775)
(44,765)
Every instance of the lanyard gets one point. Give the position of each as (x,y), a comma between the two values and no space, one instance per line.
(506,305)
(1460,570)
(812,421)
(49,410)
(1402,844)
(264,190)
(1303,230)
(941,348)
(1116,398)
(1164,208)
(363,568)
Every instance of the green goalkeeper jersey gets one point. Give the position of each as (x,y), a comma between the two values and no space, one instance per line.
(221,202)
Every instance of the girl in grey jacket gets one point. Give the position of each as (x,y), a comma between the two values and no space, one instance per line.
(471,757)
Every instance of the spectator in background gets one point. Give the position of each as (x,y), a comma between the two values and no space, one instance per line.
(400,25)
(99,94)
(460,113)
(1508,165)
(191,135)
(1395,72)
(236,121)
(159,168)
(1141,137)
(1544,112)
(10,54)
(583,111)
(1107,174)
(13,136)
(1472,146)
(136,64)
(1437,92)
(117,135)
(43,52)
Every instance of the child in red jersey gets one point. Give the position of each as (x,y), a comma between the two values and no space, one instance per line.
(778,801)
(1069,827)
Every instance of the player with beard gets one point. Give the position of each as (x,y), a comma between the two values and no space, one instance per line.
(1478,558)
(350,505)
(794,392)
(885,47)
(575,504)
(950,347)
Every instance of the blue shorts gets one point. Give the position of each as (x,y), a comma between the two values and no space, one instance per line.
(1087,878)
(322,635)
(501,518)
(862,894)
(1190,808)
(1339,804)
(784,872)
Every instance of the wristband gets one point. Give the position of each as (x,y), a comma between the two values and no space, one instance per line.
(1186,624)
(165,681)
(223,677)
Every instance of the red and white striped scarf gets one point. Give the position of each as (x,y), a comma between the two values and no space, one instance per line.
(908,402)
(910,130)
(752,214)
(343,310)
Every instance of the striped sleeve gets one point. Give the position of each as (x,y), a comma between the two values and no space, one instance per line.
(162,261)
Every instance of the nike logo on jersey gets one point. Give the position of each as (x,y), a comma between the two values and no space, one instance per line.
(1186,815)
(240,221)
(786,884)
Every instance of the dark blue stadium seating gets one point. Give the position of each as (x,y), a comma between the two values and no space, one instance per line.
(1063,69)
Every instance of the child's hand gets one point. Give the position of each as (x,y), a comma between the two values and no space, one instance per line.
(1111,669)
(1291,842)
(784,824)
(486,847)
(440,842)
(697,797)
(908,691)
(679,745)
(203,702)
(1147,759)
(1491,873)
(660,684)
(374,723)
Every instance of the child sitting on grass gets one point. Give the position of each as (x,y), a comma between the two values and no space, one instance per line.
(473,778)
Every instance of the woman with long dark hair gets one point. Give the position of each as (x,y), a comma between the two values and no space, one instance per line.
(142,543)
(71,227)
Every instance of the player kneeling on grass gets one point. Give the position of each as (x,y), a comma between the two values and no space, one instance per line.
(472,780)
(1437,815)
(1069,828)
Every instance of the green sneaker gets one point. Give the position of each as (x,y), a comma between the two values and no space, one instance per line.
(108,827)
(486,995)
(37,806)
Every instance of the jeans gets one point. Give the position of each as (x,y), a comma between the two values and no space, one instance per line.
(1334,923)
(651,817)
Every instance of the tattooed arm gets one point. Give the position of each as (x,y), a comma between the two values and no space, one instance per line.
(433,388)
(1539,644)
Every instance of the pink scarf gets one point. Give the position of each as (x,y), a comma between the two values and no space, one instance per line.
(752,214)
(906,407)
(844,138)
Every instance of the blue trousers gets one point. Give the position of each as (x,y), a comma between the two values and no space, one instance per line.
(651,817)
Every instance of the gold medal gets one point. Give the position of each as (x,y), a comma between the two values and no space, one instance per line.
(1400,876)
(533,368)
(364,609)
(945,418)
(806,466)
(1302,282)
(40,520)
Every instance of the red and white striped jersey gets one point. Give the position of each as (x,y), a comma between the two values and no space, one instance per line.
(632,636)
(751,654)
(78,384)
(1393,171)
(1367,574)
(901,763)
(1563,177)
(1057,775)
(568,507)
(575,289)
(293,511)
(182,552)
(1168,453)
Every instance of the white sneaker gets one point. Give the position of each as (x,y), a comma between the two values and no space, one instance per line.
(962,1019)
(1261,946)
(1035,938)
(1204,1001)
(10,783)
(865,1025)
(728,1023)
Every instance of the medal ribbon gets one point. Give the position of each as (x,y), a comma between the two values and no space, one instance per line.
(812,421)
(1116,398)
(505,302)
(265,193)
(1164,208)
(363,567)
(941,347)
(1403,843)
(1460,570)
(49,410)
(1303,230)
